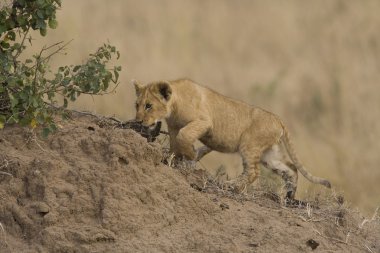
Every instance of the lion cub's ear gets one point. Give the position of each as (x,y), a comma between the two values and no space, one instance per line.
(165,90)
(138,87)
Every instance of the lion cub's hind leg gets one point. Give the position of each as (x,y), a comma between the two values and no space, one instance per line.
(251,170)
(275,159)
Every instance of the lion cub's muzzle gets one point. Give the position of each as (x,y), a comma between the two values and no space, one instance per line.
(148,126)
(152,126)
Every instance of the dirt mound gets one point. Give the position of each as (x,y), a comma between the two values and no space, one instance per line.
(93,189)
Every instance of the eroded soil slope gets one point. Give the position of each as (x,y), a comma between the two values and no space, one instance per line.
(93,189)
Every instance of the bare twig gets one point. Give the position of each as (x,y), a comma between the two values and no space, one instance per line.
(40,59)
(5,235)
(6,173)
(38,144)
(113,118)
(170,160)
(308,220)
(98,94)
(337,240)
(347,236)
(5,165)
(60,48)
(33,138)
(45,48)
(22,43)
(369,220)
(368,248)
(330,238)
(309,211)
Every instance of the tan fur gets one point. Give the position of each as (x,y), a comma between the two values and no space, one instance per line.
(194,112)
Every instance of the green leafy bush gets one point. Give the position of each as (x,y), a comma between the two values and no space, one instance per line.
(28,87)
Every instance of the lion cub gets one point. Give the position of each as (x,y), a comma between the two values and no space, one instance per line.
(194,112)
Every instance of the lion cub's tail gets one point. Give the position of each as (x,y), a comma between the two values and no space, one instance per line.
(293,156)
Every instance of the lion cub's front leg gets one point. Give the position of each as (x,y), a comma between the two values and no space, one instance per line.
(188,135)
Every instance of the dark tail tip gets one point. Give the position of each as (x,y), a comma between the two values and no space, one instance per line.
(326,183)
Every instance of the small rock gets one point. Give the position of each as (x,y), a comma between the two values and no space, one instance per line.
(224,206)
(196,187)
(253,245)
(50,219)
(41,208)
(312,244)
(123,160)
(293,223)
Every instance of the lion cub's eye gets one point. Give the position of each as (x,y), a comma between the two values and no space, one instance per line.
(148,106)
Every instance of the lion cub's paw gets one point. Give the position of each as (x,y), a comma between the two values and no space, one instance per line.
(188,153)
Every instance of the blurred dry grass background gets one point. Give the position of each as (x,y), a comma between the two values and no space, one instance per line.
(314,63)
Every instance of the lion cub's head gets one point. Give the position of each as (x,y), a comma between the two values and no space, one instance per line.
(152,104)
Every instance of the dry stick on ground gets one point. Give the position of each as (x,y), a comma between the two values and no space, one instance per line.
(100,117)
(341,241)
(374,217)
(368,248)
(5,235)
(5,165)
(6,173)
(332,238)
(33,137)
(369,220)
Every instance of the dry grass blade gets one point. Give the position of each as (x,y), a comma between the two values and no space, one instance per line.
(6,173)
(170,160)
(374,216)
(330,238)
(5,165)
(369,249)
(3,230)
(338,240)
(309,211)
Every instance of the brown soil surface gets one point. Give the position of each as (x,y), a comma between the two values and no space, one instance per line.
(93,189)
